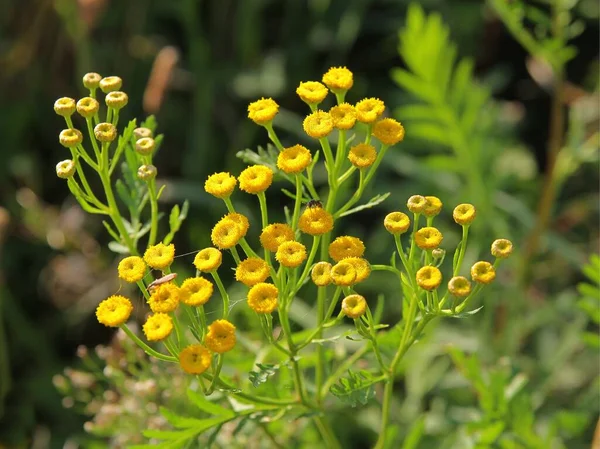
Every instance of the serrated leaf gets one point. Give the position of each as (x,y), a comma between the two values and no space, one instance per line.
(112,233)
(177,421)
(356,388)
(265,370)
(200,401)
(469,313)
(377,199)
(118,248)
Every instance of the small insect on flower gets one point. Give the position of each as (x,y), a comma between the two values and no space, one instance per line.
(163,280)
(313,204)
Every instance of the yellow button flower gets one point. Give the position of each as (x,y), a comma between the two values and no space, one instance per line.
(321,274)
(220,185)
(165,298)
(132,269)
(110,84)
(369,110)
(65,106)
(312,92)
(158,327)
(114,311)
(291,254)
(396,223)
(315,221)
(388,131)
(459,286)
(464,214)
(160,256)
(208,259)
(65,169)
(318,124)
(262,298)
(354,306)
(274,235)
(433,207)
(240,220)
(343,116)
(428,238)
(338,79)
(362,155)
(483,272)
(195,359)
(255,179)
(263,111)
(361,266)
(252,271)
(87,107)
(416,204)
(429,278)
(220,337)
(91,80)
(502,248)
(70,138)
(343,274)
(196,291)
(294,159)
(346,246)
(226,234)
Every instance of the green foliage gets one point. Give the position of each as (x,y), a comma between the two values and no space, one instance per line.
(358,388)
(590,299)
(265,370)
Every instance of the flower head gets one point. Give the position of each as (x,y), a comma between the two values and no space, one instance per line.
(459,286)
(428,238)
(343,273)
(321,274)
(132,269)
(240,220)
(110,84)
(354,306)
(140,132)
(416,204)
(65,169)
(195,359)
(164,298)
(91,80)
(221,336)
(396,223)
(291,254)
(256,179)
(343,116)
(361,266)
(220,185)
(312,92)
(294,159)
(429,278)
(263,111)
(502,248)
(69,138)
(483,272)
(65,106)
(315,221)
(147,172)
(338,79)
(252,271)
(318,124)
(433,207)
(160,256)
(105,132)
(208,259)
(87,107)
(346,246)
(196,291)
(262,297)
(226,233)
(145,146)
(274,235)
(116,99)
(114,311)
(388,131)
(464,214)
(369,110)
(362,155)
(158,327)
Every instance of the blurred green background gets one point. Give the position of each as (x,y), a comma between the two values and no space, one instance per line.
(196,65)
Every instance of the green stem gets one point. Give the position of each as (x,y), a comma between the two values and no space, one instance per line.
(273,136)
(297,203)
(308,264)
(147,349)
(263,209)
(327,433)
(224,295)
(462,249)
(153,212)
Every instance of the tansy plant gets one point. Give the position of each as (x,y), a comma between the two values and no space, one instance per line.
(292,259)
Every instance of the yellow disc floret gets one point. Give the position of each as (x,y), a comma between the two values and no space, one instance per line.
(274,235)
(396,223)
(66,106)
(196,291)
(321,274)
(252,271)
(354,306)
(362,155)
(346,246)
(226,234)
(429,278)
(338,79)
(416,204)
(70,138)
(318,124)
(388,131)
(428,238)
(459,286)
(315,221)
(240,220)
(195,359)
(165,298)
(502,248)
(343,274)
(114,311)
(312,92)
(464,214)
(255,179)
(132,269)
(263,111)
(291,254)
(158,327)
(208,259)
(369,110)
(361,266)
(433,207)
(220,337)
(294,159)
(160,256)
(262,298)
(343,116)
(220,185)
(483,272)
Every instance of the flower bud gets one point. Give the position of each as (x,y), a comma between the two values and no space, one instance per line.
(70,137)
(87,107)
(64,106)
(65,169)
(91,80)
(142,132)
(416,204)
(105,132)
(147,172)
(116,100)
(145,146)
(459,286)
(464,214)
(110,84)
(438,253)
(502,248)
